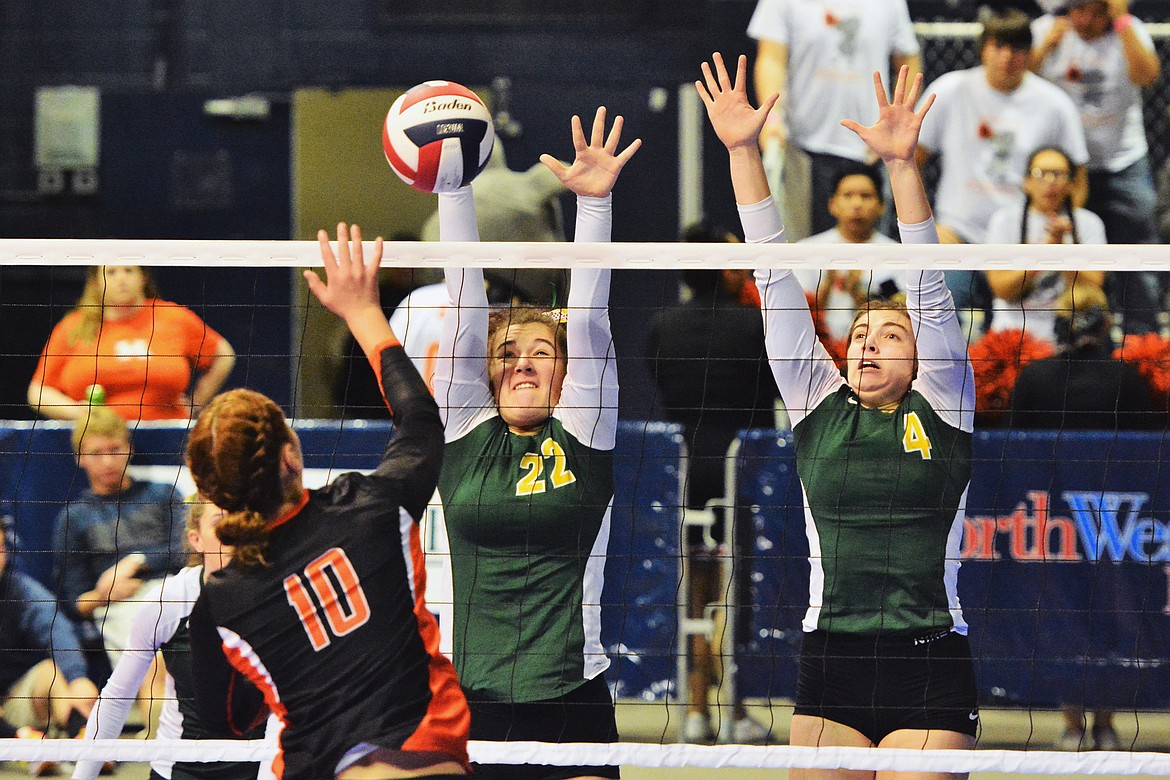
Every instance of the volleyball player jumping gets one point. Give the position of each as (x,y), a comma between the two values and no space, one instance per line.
(884,459)
(527,484)
(322,605)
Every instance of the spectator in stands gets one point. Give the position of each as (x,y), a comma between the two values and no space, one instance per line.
(708,361)
(820,57)
(1025,300)
(121,536)
(856,205)
(43,676)
(1083,387)
(987,121)
(137,353)
(1102,57)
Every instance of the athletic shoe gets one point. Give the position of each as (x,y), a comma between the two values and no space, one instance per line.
(744,731)
(1105,739)
(697,729)
(37,768)
(1072,740)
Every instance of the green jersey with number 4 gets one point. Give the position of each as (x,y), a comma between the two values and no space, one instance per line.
(882,493)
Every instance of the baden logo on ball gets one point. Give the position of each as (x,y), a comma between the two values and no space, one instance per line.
(438,136)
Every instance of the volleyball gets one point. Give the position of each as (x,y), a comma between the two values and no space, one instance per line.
(438,136)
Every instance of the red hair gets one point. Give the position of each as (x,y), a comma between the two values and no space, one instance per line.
(234,452)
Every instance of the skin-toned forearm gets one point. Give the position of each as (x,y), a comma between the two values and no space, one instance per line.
(369,328)
(217,373)
(1144,66)
(54,404)
(910,201)
(748,180)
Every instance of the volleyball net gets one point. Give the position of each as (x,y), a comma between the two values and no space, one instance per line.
(1066,544)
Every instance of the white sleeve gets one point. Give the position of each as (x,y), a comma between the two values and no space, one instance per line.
(944,376)
(154,623)
(1072,132)
(588,406)
(1004,226)
(768,22)
(805,374)
(462,389)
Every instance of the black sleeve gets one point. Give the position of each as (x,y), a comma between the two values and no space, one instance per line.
(227,703)
(414,455)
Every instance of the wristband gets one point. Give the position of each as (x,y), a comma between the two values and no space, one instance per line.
(1122,23)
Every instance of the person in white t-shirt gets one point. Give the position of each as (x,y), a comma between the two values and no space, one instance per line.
(857,205)
(820,56)
(988,120)
(1102,57)
(1026,300)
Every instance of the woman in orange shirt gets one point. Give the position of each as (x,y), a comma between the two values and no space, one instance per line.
(140,351)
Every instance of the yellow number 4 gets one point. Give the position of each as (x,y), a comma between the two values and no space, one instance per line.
(914,438)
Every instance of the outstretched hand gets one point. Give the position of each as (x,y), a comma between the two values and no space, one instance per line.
(895,135)
(598,162)
(351,284)
(732,117)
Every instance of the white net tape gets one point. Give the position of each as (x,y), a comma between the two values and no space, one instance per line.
(647,256)
(643,755)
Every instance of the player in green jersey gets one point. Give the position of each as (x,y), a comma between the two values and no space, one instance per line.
(529,403)
(884,458)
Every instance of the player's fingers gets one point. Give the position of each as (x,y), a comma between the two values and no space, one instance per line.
(578,134)
(597,138)
(710,81)
(628,152)
(326,250)
(342,244)
(357,252)
(915,91)
(900,85)
(741,74)
(721,72)
(767,106)
(703,94)
(615,134)
(879,90)
(316,286)
(926,104)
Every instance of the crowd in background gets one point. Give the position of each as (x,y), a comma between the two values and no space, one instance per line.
(1042,142)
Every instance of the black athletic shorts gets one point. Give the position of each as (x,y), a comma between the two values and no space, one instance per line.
(878,685)
(585,714)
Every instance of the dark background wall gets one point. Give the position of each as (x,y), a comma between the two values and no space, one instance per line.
(169,171)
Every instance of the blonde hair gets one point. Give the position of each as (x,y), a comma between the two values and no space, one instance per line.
(99,421)
(89,305)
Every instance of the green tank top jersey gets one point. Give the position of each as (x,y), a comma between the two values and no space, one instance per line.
(883,494)
(528,523)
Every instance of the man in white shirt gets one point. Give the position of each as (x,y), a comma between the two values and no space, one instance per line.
(857,205)
(820,56)
(1102,57)
(986,122)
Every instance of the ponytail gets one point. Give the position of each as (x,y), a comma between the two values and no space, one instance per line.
(234,452)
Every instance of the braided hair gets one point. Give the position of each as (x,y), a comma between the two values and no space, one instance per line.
(1068,201)
(234,453)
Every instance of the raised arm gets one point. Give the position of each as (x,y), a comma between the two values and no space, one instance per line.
(461,381)
(804,372)
(944,373)
(415,452)
(588,404)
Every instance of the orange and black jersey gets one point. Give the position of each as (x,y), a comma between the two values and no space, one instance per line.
(334,630)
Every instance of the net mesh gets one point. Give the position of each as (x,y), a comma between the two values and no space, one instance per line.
(1064,580)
